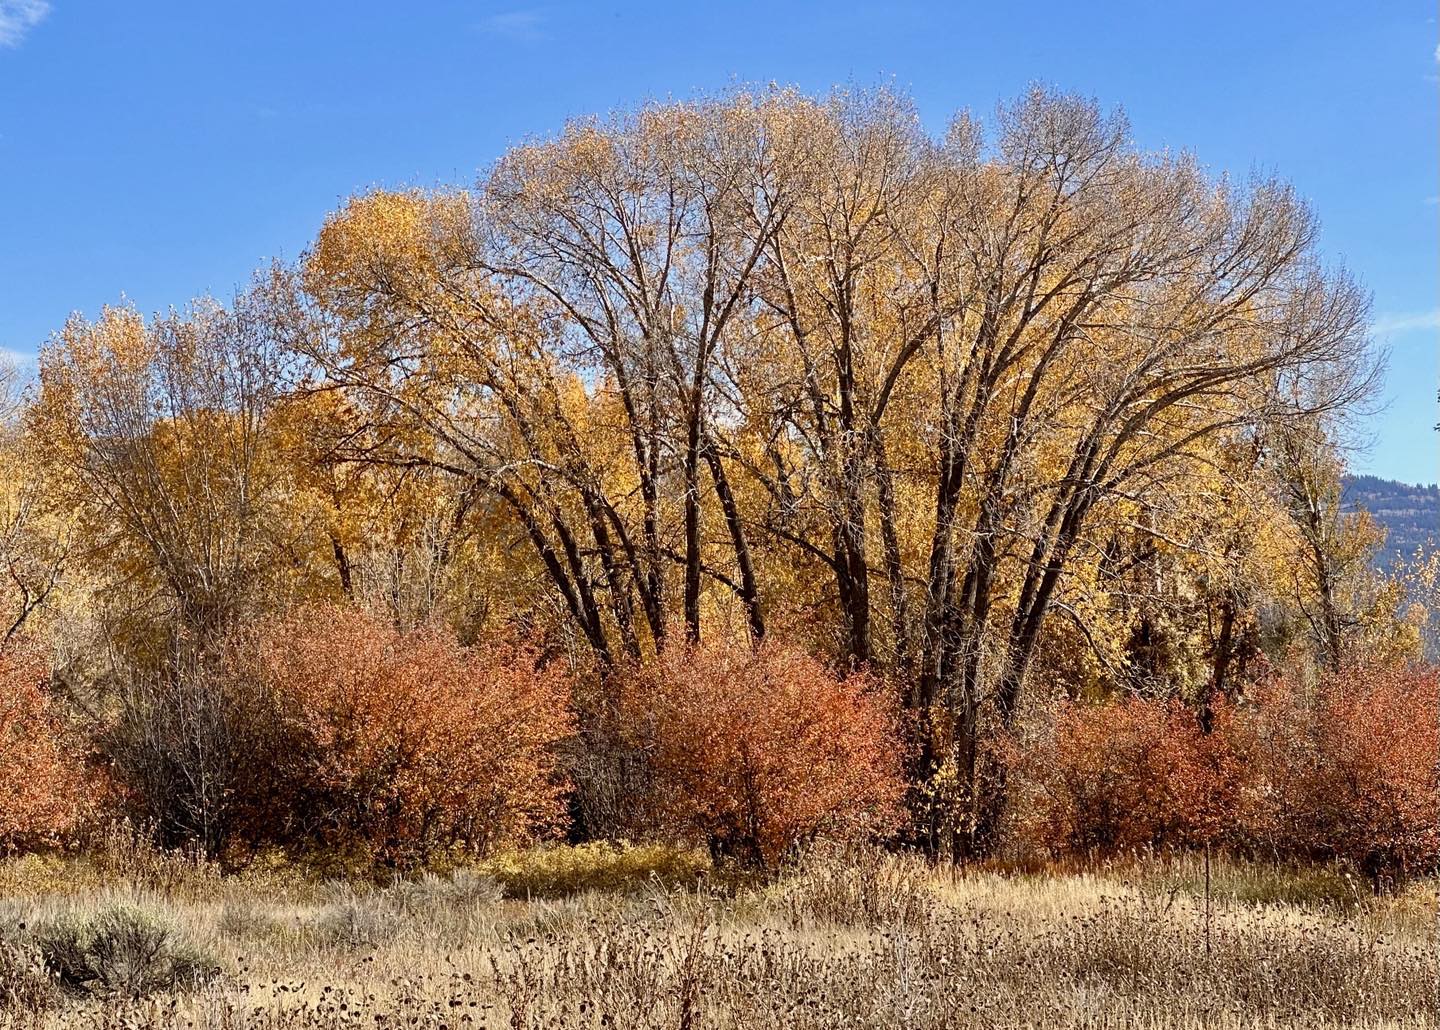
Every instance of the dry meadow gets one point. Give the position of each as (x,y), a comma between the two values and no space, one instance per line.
(647,937)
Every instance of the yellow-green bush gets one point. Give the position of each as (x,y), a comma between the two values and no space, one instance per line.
(560,870)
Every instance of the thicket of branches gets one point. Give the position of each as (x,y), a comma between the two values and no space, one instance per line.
(758,419)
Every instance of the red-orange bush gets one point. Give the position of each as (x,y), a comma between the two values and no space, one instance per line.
(43,787)
(752,751)
(404,743)
(1101,779)
(1349,769)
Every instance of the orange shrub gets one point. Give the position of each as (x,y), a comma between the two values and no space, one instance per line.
(404,743)
(752,751)
(1139,774)
(1348,770)
(42,782)
(1275,735)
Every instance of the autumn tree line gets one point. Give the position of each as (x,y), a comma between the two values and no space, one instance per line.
(734,472)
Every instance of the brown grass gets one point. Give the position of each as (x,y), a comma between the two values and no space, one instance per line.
(856,940)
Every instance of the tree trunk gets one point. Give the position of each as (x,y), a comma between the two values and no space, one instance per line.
(749,589)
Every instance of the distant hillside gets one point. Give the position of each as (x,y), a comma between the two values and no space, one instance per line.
(1410,514)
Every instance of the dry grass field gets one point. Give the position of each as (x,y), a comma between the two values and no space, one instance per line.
(644,937)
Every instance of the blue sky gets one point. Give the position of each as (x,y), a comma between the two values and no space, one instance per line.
(161,150)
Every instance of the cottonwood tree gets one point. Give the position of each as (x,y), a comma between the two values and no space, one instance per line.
(157,450)
(1096,315)
(444,373)
(555,332)
(155,444)
(700,352)
(34,547)
(646,235)
(1333,546)
(843,312)
(409,541)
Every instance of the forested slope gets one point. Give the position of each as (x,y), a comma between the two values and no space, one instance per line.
(1410,513)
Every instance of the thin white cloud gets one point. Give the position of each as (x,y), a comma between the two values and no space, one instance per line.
(1406,323)
(18,370)
(18,17)
(517,25)
(18,358)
